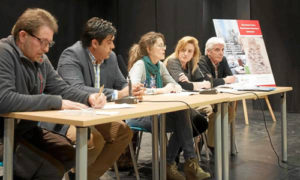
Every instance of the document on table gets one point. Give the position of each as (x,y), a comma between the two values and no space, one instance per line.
(91,111)
(108,113)
(184,93)
(88,112)
(118,106)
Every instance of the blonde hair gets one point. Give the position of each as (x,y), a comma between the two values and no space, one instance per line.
(137,51)
(181,45)
(32,19)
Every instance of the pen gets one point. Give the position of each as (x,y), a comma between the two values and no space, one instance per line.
(101,90)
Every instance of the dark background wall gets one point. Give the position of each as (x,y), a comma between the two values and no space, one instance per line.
(279,20)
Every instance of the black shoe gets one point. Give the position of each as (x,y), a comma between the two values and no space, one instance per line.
(71,175)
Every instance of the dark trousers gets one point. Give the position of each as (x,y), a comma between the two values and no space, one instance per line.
(41,154)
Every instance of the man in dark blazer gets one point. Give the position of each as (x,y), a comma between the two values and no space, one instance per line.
(87,65)
(214,65)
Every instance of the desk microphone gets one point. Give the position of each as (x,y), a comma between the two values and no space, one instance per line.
(211,90)
(130,99)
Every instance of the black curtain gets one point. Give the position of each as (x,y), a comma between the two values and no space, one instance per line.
(279,21)
(71,16)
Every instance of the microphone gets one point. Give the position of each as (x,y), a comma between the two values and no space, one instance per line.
(210,80)
(211,90)
(130,99)
(129,86)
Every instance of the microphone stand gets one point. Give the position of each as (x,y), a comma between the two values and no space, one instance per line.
(210,90)
(130,99)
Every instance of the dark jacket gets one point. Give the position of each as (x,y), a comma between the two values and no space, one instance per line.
(207,67)
(30,86)
(76,68)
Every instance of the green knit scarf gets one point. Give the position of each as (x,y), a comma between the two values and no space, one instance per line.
(154,70)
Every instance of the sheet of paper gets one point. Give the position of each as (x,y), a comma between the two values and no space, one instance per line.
(88,111)
(108,113)
(181,94)
(118,106)
(226,90)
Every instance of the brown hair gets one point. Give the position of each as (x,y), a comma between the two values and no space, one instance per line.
(32,19)
(137,51)
(181,45)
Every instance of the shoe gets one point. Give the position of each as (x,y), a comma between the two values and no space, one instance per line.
(173,173)
(193,171)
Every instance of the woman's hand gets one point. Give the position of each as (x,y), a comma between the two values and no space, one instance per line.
(201,85)
(138,90)
(168,88)
(183,78)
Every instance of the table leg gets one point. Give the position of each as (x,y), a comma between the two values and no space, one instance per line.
(81,153)
(218,144)
(245,111)
(225,141)
(163,151)
(155,163)
(233,147)
(283,127)
(9,128)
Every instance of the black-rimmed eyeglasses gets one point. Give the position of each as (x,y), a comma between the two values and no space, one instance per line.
(43,42)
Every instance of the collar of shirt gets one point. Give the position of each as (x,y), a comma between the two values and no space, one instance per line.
(92,57)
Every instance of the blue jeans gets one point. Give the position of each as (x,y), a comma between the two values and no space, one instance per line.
(182,136)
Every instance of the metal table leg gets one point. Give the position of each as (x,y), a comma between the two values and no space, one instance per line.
(81,153)
(9,128)
(163,151)
(232,138)
(155,163)
(283,127)
(225,141)
(218,144)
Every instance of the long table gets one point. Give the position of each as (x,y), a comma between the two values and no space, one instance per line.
(83,120)
(240,95)
(146,108)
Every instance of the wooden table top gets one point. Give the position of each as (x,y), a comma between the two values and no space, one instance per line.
(144,108)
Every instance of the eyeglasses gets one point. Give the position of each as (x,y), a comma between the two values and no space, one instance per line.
(43,42)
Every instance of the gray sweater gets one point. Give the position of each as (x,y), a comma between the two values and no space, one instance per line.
(138,73)
(30,86)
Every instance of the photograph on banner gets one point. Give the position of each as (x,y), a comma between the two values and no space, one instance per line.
(245,51)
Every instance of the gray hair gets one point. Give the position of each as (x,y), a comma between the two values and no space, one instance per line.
(213,41)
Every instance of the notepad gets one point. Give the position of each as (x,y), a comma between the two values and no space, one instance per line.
(256,88)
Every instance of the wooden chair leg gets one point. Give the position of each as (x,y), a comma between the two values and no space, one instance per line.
(245,112)
(270,108)
(133,158)
(203,135)
(196,142)
(116,171)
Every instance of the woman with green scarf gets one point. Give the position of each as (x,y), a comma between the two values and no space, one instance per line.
(145,67)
